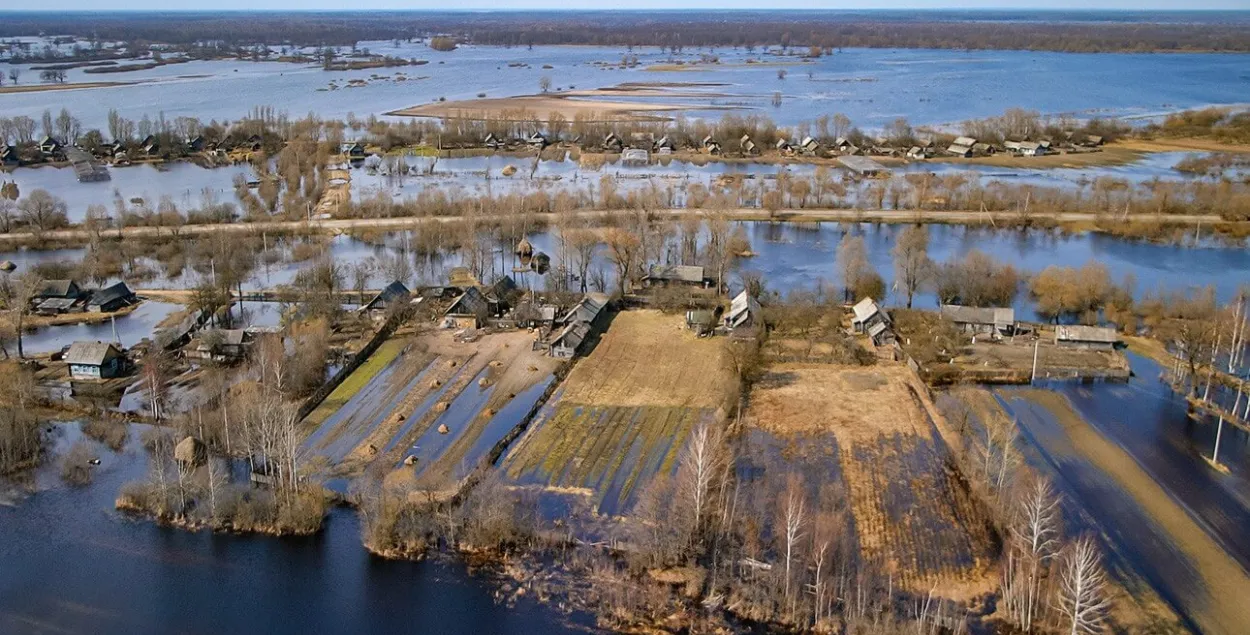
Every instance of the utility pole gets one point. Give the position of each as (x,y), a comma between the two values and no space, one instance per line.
(1036,344)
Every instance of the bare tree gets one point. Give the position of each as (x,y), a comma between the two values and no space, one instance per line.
(852,262)
(21,295)
(624,247)
(793,522)
(702,461)
(913,268)
(1082,596)
(1035,535)
(43,211)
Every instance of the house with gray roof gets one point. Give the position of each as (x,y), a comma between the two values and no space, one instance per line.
(1100,338)
(666,275)
(992,321)
(94,360)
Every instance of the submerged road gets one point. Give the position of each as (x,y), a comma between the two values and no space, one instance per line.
(339,225)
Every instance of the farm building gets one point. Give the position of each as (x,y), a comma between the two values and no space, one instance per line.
(469,311)
(196,144)
(94,360)
(8,157)
(809,146)
(613,143)
(55,306)
(1088,337)
(537,141)
(784,147)
(50,146)
(111,298)
(862,166)
(712,146)
(529,314)
(991,321)
(1025,148)
(501,295)
(665,145)
(747,145)
(394,294)
(866,315)
(666,275)
(701,321)
(354,150)
(565,344)
(744,315)
(587,310)
(959,150)
(219,345)
(60,289)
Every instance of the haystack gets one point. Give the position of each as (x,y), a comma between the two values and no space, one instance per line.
(190,452)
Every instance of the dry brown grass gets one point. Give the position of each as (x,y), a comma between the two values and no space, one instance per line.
(647,358)
(913,516)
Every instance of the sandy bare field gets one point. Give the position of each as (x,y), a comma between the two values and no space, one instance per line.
(39,88)
(541,107)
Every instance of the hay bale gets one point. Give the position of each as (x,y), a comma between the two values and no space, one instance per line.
(441,406)
(410,460)
(483,382)
(509,170)
(532,368)
(190,452)
(435,384)
(452,363)
(496,363)
(443,429)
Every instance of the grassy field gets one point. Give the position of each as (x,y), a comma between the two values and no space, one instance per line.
(912,514)
(363,374)
(624,413)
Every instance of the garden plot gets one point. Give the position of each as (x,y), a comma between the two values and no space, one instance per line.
(912,514)
(624,413)
(422,411)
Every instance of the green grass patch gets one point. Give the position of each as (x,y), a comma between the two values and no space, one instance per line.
(363,374)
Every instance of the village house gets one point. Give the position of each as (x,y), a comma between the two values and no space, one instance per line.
(492,142)
(354,150)
(468,311)
(809,147)
(983,149)
(743,318)
(94,360)
(667,275)
(529,314)
(567,342)
(395,294)
(863,166)
(613,143)
(665,145)
(536,141)
(1024,148)
(784,147)
(59,289)
(49,146)
(111,298)
(917,153)
(196,144)
(586,311)
(1099,338)
(961,147)
(8,157)
(710,145)
(150,146)
(219,345)
(866,314)
(993,321)
(748,146)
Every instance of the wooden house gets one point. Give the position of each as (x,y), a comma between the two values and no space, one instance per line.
(809,147)
(394,294)
(569,340)
(992,321)
(352,150)
(866,314)
(748,146)
(492,142)
(743,318)
(613,143)
(50,146)
(710,145)
(668,275)
(94,360)
(1086,337)
(8,157)
(784,147)
(111,298)
(536,141)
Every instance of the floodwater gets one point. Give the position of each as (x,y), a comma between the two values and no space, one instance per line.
(126,330)
(871,86)
(73,564)
(1149,422)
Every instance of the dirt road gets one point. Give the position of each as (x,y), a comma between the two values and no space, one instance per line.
(340,225)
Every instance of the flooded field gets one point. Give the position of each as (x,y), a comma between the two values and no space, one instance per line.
(623,415)
(423,411)
(863,83)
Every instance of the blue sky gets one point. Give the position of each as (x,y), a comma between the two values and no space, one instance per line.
(444,5)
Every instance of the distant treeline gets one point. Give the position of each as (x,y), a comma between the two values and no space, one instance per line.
(1218,31)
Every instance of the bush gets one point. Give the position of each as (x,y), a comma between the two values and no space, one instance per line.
(76,466)
(109,433)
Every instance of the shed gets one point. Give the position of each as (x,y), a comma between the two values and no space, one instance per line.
(94,360)
(587,310)
(809,146)
(468,311)
(996,321)
(1089,337)
(665,275)
(394,293)
(862,166)
(111,298)
(701,321)
(55,306)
